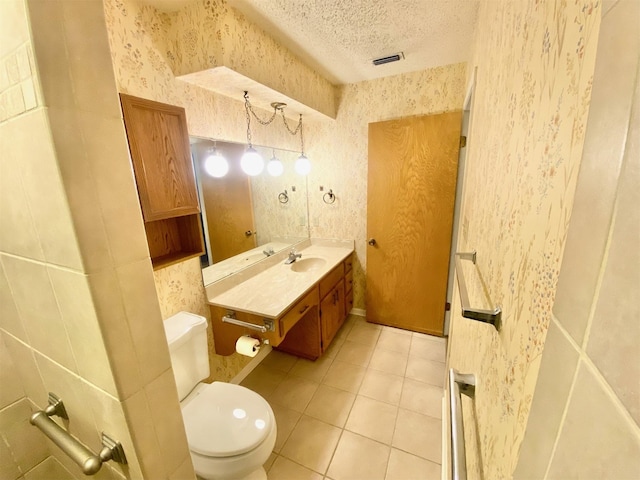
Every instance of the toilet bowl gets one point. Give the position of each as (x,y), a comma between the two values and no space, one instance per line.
(230,429)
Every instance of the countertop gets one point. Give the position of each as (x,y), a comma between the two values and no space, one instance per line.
(271,291)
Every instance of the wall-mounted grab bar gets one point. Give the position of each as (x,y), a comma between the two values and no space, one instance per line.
(494,317)
(81,455)
(267,327)
(459,383)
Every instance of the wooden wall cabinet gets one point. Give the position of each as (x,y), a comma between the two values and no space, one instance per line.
(161,156)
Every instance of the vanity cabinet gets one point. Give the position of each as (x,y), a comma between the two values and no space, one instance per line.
(161,157)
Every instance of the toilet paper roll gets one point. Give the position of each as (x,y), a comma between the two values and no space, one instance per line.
(248,346)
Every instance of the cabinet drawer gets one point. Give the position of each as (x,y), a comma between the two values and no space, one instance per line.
(348,263)
(295,313)
(348,281)
(333,277)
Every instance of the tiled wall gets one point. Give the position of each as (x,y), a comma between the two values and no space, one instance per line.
(585,416)
(76,284)
(535,63)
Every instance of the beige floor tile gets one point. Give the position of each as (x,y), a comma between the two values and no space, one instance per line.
(428,348)
(267,465)
(344,376)
(426,371)
(364,333)
(279,361)
(334,348)
(330,405)
(358,458)
(373,419)
(294,393)
(388,361)
(419,434)
(286,420)
(399,331)
(426,336)
(393,341)
(263,380)
(381,386)
(311,444)
(285,469)
(312,370)
(422,398)
(404,466)
(355,353)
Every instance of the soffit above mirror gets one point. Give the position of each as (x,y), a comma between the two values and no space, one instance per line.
(227,82)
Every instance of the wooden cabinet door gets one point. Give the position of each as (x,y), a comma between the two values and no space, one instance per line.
(413,164)
(159,145)
(332,313)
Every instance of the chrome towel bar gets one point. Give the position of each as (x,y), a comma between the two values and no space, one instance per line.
(267,327)
(494,317)
(459,383)
(89,462)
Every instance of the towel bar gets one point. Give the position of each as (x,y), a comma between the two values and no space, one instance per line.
(493,317)
(267,327)
(459,383)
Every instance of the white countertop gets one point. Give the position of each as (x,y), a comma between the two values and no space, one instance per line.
(272,291)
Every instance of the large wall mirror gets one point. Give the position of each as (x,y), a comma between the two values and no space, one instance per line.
(247,218)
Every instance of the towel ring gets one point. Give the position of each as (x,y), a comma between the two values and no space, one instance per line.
(329,197)
(283,197)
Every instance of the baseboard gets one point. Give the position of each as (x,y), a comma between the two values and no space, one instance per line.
(359,312)
(255,361)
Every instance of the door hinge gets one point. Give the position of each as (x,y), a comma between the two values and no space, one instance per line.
(463,141)
(447,307)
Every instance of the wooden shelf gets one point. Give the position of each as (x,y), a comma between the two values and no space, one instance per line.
(174,240)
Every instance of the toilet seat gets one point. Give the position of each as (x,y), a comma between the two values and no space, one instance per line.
(225,420)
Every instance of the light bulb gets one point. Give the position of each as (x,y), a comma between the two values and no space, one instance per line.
(275,167)
(252,162)
(303,165)
(216,165)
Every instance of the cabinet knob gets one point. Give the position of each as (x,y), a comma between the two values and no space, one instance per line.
(372,242)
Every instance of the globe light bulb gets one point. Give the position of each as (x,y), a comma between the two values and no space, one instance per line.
(302,165)
(275,167)
(216,165)
(251,162)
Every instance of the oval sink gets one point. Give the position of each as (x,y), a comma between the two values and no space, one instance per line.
(308,264)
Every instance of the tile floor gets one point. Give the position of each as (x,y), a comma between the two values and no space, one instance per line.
(368,409)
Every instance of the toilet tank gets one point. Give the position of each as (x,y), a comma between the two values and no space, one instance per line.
(187,339)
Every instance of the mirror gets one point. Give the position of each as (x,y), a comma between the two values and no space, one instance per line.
(244,218)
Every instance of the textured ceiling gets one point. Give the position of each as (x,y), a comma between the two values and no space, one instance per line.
(339,38)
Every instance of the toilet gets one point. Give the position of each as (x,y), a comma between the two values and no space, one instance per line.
(231,430)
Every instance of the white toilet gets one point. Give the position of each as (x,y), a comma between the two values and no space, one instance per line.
(231,430)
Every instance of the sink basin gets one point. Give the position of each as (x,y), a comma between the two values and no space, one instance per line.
(308,264)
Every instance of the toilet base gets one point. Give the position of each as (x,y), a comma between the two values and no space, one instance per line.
(259,474)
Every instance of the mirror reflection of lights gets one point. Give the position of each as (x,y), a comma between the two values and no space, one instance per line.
(239,413)
(260,424)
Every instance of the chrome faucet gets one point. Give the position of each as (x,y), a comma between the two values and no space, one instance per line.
(293,256)
(269,251)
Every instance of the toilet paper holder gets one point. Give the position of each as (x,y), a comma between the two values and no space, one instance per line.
(268,324)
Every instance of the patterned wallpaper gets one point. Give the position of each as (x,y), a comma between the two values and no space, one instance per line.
(535,63)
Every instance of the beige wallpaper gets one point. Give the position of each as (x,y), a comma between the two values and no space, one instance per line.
(338,149)
(535,64)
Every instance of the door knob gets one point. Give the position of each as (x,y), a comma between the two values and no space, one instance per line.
(372,241)
(248,233)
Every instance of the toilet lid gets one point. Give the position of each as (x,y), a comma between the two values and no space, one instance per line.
(226,420)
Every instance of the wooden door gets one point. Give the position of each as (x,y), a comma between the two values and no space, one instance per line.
(228,206)
(413,164)
(159,145)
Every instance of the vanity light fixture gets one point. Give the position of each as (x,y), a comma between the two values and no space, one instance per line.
(252,162)
(275,167)
(215,164)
